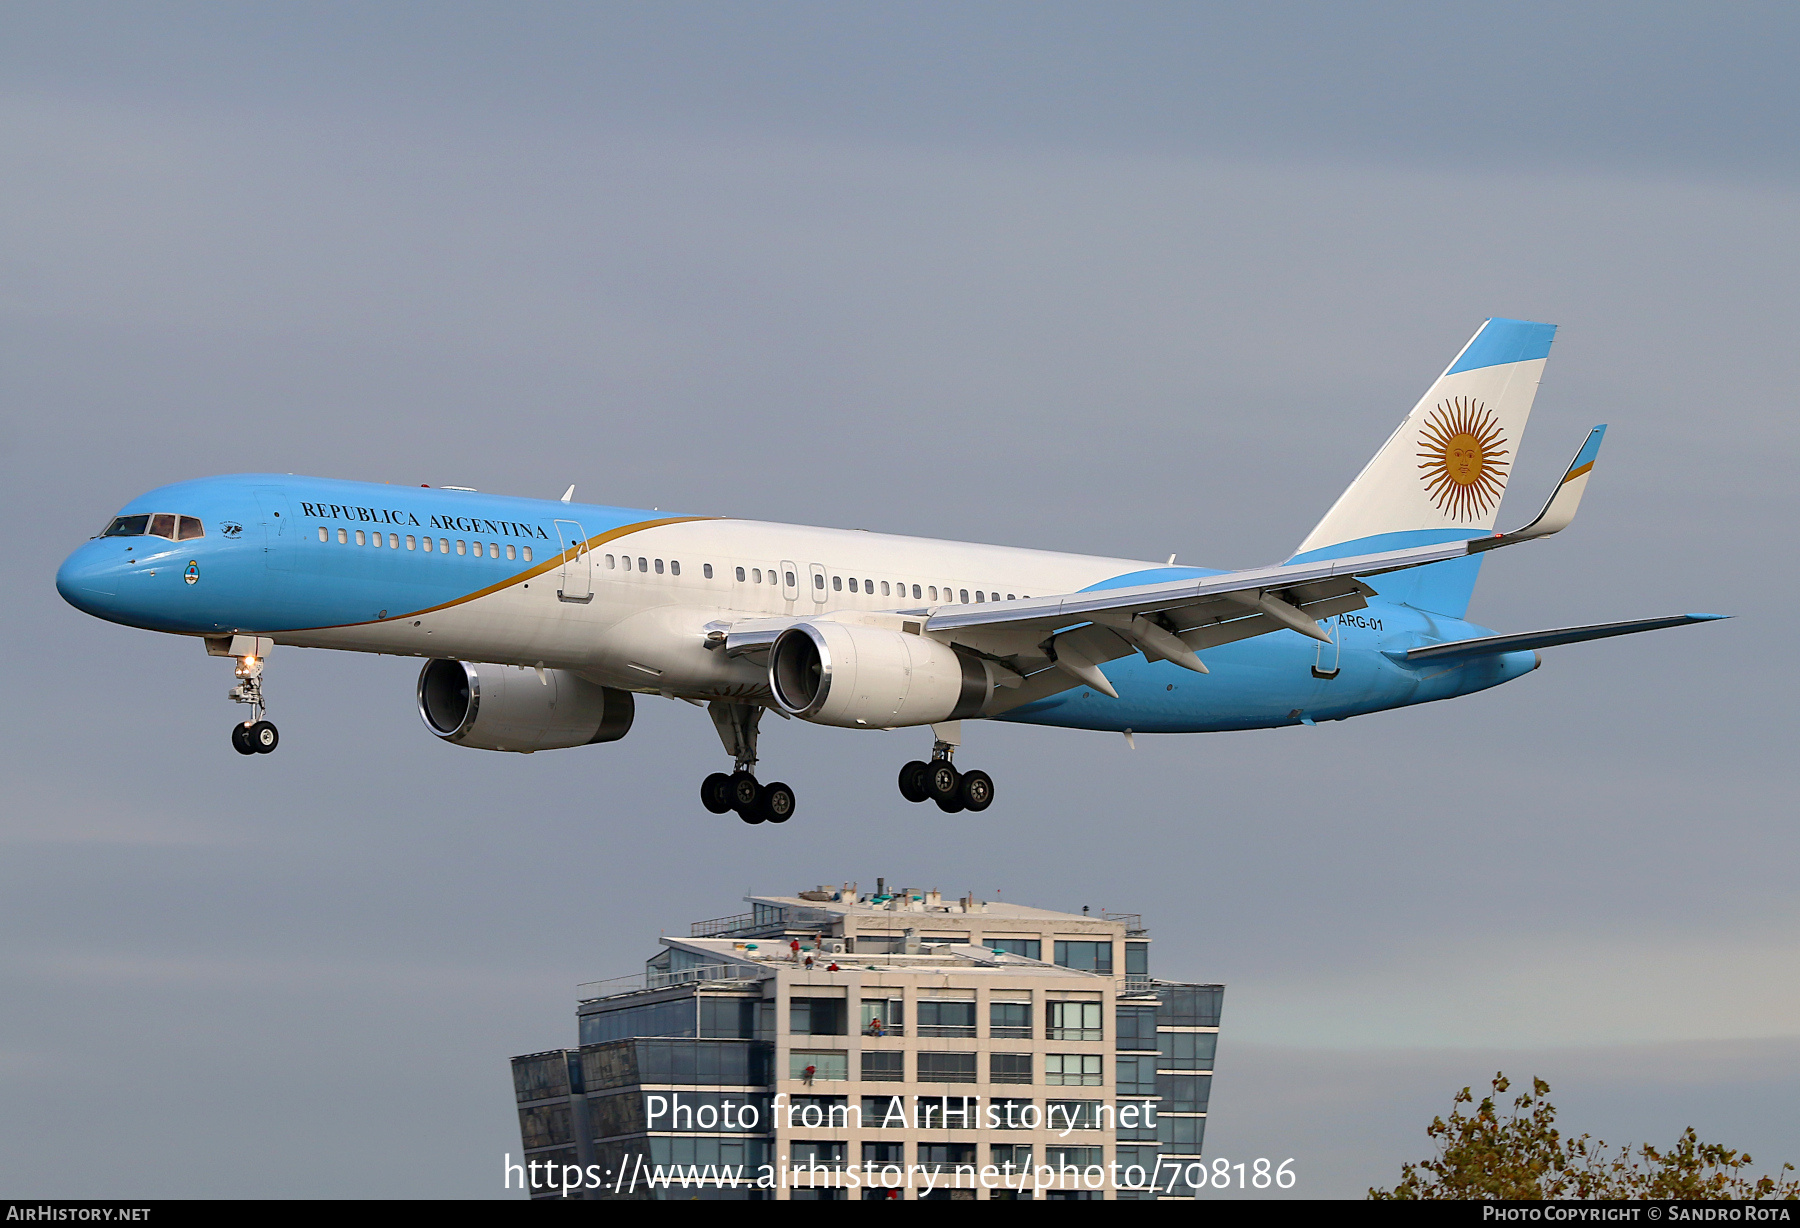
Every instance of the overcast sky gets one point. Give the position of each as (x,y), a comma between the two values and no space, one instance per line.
(1134,279)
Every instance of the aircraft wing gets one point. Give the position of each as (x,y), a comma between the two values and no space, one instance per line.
(1174,621)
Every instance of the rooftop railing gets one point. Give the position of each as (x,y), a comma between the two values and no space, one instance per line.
(648,980)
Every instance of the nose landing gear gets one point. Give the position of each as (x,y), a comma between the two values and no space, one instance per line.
(255,736)
(755,803)
(939,781)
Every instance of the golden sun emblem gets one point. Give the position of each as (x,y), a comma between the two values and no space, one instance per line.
(1462,458)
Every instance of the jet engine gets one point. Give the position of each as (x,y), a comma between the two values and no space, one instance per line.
(505,707)
(875,678)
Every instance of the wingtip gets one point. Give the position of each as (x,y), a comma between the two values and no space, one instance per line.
(1707,618)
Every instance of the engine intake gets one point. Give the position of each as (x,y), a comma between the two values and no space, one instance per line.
(504,707)
(872,677)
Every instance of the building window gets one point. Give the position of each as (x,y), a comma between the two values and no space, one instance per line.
(1086,956)
(829,1065)
(936,1157)
(1186,1050)
(1009,1068)
(1134,1076)
(1135,1026)
(884,1153)
(1191,1006)
(1009,1020)
(1010,1113)
(1030,948)
(883,1016)
(1080,1157)
(816,1016)
(828,1154)
(1016,1154)
(941,1018)
(1072,1069)
(728,1018)
(946,1067)
(883,1066)
(1183,1093)
(1075,1021)
(1180,1135)
(885,1113)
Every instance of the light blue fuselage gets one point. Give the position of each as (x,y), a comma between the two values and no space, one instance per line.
(260,568)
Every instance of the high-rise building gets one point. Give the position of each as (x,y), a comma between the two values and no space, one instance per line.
(846,1044)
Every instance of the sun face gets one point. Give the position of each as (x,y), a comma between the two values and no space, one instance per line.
(1462,458)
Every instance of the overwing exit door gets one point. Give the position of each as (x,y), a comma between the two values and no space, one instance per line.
(576,583)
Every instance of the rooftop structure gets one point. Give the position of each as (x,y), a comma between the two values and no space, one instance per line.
(842,1044)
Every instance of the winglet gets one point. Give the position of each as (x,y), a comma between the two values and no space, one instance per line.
(1559,512)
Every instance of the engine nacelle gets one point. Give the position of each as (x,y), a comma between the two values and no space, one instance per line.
(504,707)
(874,678)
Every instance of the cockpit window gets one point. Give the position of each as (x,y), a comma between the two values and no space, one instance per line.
(157,524)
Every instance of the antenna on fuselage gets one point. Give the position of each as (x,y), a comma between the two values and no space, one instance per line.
(569,493)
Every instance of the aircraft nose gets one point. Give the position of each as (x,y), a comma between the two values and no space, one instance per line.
(89,579)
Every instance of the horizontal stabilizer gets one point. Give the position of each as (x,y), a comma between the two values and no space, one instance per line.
(1490,644)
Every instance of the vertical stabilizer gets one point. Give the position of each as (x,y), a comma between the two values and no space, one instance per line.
(1441,475)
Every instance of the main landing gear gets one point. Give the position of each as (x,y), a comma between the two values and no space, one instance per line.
(940,782)
(739,790)
(255,736)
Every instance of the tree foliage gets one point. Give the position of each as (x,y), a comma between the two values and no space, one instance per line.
(1522,1155)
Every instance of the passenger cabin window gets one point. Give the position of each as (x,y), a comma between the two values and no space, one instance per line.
(790,579)
(934,592)
(758,573)
(612,562)
(818,581)
(642,566)
(659,569)
(426,543)
(528,554)
(411,542)
(361,539)
(884,588)
(916,592)
(965,596)
(740,575)
(837,583)
(706,570)
(675,567)
(343,537)
(323,535)
(461,546)
(512,552)
(393,541)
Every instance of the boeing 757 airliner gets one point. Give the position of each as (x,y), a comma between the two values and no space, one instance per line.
(539,620)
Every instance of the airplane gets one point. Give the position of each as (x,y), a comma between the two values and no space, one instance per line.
(539,620)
